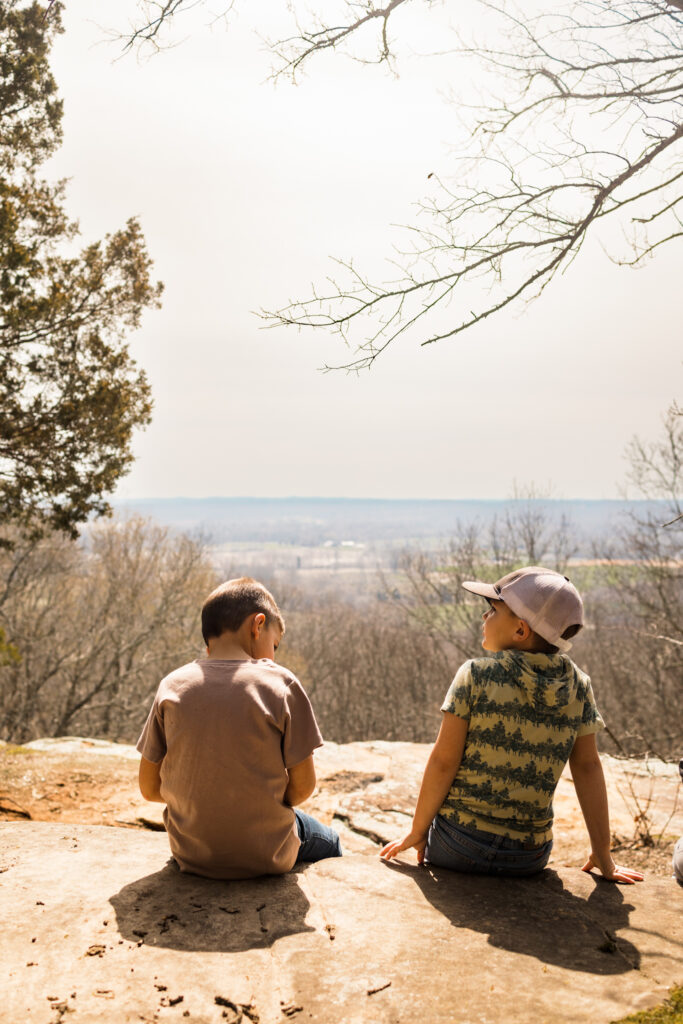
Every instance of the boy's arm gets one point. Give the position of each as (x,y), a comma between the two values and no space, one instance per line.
(441,769)
(149,779)
(301,782)
(589,782)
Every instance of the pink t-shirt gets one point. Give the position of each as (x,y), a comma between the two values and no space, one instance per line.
(226,732)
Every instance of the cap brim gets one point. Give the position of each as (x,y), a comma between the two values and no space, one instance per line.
(482,589)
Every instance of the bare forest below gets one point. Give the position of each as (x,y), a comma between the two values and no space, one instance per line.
(89,627)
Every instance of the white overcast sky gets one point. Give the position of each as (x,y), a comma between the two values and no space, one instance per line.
(245,191)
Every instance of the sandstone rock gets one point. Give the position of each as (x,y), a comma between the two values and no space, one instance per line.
(97,923)
(368,789)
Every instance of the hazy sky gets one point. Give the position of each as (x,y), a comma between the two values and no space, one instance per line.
(245,190)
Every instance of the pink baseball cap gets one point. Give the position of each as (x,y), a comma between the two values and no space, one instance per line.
(545,599)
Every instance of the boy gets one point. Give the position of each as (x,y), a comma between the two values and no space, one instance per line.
(228,747)
(511,721)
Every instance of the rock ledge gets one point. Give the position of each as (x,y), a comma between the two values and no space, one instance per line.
(98,923)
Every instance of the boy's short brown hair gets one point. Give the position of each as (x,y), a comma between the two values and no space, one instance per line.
(226,608)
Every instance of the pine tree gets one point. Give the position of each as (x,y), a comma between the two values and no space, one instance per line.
(70,393)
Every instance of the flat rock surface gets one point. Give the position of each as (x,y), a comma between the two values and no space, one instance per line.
(368,790)
(98,923)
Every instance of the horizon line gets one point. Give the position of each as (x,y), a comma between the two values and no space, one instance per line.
(309,497)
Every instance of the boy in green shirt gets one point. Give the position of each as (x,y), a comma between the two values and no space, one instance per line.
(511,722)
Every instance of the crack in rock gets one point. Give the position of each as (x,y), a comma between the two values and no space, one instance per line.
(367,833)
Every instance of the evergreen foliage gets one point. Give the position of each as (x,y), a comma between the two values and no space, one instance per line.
(70,393)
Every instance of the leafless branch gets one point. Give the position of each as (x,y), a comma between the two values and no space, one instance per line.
(586,131)
(296,50)
(485,247)
(155,17)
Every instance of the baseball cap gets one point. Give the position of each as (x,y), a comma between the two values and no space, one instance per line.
(546,599)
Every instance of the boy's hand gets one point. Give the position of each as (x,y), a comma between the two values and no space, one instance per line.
(413,839)
(611,871)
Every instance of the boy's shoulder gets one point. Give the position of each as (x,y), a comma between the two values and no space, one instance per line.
(270,673)
(181,674)
(208,670)
(512,665)
(493,665)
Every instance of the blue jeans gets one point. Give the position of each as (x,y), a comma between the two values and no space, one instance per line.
(318,841)
(482,853)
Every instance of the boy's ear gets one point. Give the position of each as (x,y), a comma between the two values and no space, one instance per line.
(523,631)
(257,623)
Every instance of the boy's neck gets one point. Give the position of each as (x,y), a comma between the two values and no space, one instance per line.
(228,647)
(527,646)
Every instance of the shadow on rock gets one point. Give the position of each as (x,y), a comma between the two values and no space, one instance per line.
(182,911)
(536,917)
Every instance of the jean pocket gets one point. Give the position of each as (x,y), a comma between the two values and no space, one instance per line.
(441,854)
(462,840)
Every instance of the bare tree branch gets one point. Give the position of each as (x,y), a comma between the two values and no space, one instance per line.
(485,247)
(296,50)
(587,130)
(157,15)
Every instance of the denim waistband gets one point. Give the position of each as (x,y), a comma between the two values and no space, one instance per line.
(489,837)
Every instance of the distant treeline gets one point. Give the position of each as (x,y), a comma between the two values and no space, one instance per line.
(315,521)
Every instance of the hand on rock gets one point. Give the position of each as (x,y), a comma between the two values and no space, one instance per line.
(398,845)
(611,871)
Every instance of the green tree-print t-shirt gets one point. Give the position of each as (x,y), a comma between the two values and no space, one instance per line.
(524,712)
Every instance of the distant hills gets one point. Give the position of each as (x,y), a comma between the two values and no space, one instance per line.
(380,522)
